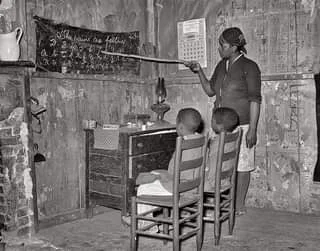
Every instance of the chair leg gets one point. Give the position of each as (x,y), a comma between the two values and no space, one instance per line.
(165,226)
(217,227)
(200,232)
(133,235)
(176,241)
(199,240)
(231,221)
(217,231)
(176,232)
(232,211)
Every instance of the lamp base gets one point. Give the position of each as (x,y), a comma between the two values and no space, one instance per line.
(160,109)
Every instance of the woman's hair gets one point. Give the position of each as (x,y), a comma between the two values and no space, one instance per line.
(191,119)
(234,37)
(224,119)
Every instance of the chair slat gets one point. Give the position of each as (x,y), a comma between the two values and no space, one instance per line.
(190,217)
(229,155)
(191,164)
(188,234)
(189,185)
(155,235)
(226,174)
(230,137)
(194,142)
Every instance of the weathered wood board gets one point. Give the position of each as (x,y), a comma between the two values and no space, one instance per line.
(69,102)
(280,34)
(282,37)
(286,152)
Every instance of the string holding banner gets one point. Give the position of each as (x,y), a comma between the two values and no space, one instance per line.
(150,59)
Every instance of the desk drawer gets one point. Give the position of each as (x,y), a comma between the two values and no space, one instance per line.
(152,143)
(149,162)
(105,164)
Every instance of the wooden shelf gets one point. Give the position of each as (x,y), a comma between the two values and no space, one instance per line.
(95,77)
(19,63)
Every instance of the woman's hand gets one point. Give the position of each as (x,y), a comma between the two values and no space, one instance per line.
(194,66)
(251,137)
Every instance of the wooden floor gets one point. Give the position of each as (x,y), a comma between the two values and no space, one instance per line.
(258,230)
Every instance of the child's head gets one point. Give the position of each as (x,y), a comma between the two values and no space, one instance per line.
(188,121)
(224,119)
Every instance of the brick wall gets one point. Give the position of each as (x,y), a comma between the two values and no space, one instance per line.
(16,205)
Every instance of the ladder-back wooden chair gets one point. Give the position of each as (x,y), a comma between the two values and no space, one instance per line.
(182,212)
(222,199)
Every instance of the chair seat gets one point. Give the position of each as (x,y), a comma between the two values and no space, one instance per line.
(167,201)
(223,189)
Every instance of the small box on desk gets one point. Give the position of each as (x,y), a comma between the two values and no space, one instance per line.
(107,137)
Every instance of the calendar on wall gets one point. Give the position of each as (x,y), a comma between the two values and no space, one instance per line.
(192,41)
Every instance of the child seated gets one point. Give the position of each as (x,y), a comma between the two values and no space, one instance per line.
(223,120)
(187,123)
(160,182)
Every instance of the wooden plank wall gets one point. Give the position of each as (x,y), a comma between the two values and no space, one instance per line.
(60,179)
(287,150)
(70,99)
(110,15)
(283,37)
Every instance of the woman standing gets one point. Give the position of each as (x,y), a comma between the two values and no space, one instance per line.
(236,83)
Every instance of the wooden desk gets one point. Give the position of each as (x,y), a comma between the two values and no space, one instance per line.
(111,174)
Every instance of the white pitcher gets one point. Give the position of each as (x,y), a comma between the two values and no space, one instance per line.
(9,45)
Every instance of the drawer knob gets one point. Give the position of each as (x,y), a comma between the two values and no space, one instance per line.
(139,166)
(140,145)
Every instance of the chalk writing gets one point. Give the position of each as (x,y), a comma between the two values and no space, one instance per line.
(79,49)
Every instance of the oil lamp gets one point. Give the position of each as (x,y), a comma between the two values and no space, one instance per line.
(160,108)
